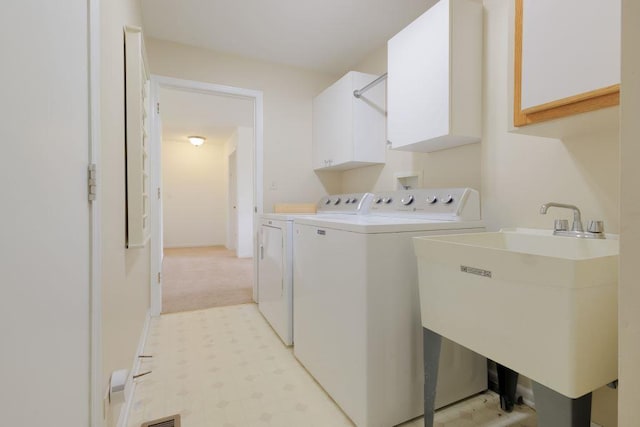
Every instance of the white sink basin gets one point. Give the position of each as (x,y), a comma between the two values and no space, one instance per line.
(548,309)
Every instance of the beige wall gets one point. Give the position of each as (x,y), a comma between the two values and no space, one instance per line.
(125,272)
(287,112)
(629,296)
(521,172)
(514,173)
(195,194)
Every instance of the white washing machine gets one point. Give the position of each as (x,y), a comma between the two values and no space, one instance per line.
(357,311)
(275,261)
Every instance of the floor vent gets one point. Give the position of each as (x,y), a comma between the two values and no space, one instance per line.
(171,421)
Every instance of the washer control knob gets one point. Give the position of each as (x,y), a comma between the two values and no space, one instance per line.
(447,200)
(407,200)
(431,199)
(337,202)
(347,200)
(387,200)
(377,200)
(354,199)
(327,202)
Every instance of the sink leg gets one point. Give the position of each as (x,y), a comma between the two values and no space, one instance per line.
(431,343)
(507,384)
(557,410)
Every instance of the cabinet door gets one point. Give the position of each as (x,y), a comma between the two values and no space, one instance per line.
(418,82)
(435,79)
(332,125)
(567,58)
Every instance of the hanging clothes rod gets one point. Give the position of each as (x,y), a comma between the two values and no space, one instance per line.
(358,93)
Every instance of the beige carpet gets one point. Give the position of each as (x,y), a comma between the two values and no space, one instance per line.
(197,278)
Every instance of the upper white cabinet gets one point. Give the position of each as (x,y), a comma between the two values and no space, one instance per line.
(349,132)
(567,58)
(434,87)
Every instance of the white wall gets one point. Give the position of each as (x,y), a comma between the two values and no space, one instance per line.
(514,173)
(125,272)
(195,194)
(287,112)
(44,227)
(629,292)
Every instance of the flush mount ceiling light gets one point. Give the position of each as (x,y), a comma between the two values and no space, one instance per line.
(196,140)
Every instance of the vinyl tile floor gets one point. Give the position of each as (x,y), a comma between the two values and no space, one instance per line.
(226,367)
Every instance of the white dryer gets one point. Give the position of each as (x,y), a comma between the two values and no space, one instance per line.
(356,305)
(275,261)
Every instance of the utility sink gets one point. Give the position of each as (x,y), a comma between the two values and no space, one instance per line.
(543,305)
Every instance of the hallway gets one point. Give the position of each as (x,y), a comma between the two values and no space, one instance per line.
(204,277)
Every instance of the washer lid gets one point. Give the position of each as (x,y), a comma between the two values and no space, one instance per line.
(283,216)
(368,224)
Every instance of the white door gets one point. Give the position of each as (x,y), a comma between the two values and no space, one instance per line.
(233,202)
(271,295)
(45,323)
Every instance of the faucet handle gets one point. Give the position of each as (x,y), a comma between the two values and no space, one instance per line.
(561,225)
(596,227)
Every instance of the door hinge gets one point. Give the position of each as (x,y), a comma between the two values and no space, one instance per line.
(159,277)
(92,186)
(158,193)
(157,107)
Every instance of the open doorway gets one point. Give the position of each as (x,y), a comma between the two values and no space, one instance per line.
(203,219)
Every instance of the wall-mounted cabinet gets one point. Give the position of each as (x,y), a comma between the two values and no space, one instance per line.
(137,138)
(434,87)
(566,58)
(349,132)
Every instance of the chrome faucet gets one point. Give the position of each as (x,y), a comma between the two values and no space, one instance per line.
(577,218)
(594,231)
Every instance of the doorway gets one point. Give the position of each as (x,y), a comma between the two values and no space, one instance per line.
(193,222)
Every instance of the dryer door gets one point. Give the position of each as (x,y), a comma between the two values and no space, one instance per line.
(271,296)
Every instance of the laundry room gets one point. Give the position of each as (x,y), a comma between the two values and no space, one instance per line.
(366,213)
(485,174)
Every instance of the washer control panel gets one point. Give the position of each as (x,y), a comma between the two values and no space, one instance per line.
(438,203)
(357,203)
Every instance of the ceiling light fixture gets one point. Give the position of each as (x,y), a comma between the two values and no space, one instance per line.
(196,140)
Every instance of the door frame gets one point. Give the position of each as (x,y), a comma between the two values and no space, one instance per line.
(96,409)
(158,82)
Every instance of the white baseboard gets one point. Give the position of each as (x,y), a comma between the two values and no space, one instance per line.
(130,387)
(527,395)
